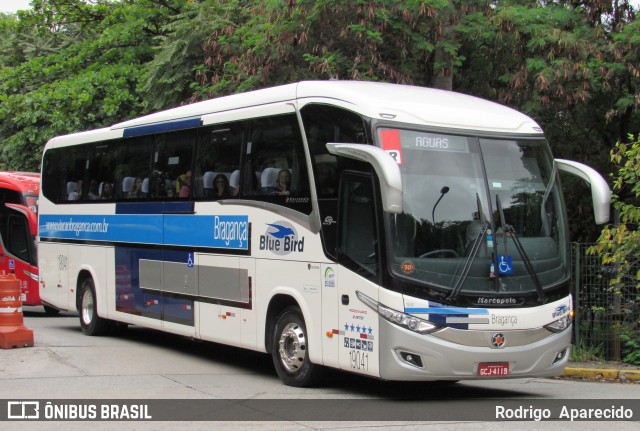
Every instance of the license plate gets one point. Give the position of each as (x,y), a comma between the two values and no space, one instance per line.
(493,369)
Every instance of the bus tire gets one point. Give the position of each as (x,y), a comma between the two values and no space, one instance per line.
(290,351)
(91,323)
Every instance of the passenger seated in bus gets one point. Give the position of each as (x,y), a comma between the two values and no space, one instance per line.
(136,192)
(183,180)
(221,187)
(284,183)
(107,191)
(183,184)
(75,190)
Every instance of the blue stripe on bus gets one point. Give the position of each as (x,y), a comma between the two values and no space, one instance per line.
(153,207)
(166,126)
(139,208)
(440,315)
(446,310)
(224,231)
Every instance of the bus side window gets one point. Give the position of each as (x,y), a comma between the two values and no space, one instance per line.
(18,238)
(55,188)
(172,159)
(275,164)
(134,155)
(323,124)
(101,171)
(218,161)
(74,165)
(358,241)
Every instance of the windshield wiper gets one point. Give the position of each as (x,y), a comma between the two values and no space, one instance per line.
(509,231)
(472,254)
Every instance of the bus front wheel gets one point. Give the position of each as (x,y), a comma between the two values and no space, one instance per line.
(90,322)
(290,350)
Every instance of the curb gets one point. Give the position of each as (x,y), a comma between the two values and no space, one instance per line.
(632,376)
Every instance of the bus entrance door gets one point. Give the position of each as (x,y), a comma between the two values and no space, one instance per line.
(359,251)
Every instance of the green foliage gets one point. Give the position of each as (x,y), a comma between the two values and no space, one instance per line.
(572,66)
(619,244)
(70,65)
(630,341)
(81,65)
(262,44)
(167,79)
(585,353)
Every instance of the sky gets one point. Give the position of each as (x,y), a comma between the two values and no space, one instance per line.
(9,6)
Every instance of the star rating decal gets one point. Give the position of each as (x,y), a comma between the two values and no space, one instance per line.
(358,329)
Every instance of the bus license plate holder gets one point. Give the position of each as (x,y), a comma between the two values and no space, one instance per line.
(493,369)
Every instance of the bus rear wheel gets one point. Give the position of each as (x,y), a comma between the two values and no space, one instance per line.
(290,350)
(91,323)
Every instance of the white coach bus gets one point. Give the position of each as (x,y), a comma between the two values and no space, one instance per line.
(398,232)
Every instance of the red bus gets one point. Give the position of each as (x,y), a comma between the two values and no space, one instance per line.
(18,231)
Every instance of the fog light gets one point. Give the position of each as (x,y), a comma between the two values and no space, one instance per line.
(560,355)
(411,358)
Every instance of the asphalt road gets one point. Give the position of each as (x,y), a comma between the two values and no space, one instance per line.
(142,364)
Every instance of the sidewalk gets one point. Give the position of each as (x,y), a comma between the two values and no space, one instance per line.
(605,371)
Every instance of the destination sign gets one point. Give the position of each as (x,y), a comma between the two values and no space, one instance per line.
(395,141)
(411,139)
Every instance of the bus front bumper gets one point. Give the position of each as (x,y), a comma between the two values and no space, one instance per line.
(408,355)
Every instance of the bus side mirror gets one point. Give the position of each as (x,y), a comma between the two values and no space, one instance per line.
(600,192)
(385,166)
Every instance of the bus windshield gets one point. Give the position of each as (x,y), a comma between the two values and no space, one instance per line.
(479,215)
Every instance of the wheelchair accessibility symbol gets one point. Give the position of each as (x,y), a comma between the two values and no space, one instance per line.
(504,264)
(190,260)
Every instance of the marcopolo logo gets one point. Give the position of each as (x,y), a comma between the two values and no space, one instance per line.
(281,238)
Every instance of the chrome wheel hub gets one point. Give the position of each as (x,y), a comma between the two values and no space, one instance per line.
(292,347)
(87,307)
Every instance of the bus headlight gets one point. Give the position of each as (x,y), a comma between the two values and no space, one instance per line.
(561,324)
(399,318)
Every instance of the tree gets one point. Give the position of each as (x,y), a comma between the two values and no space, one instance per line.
(571,65)
(85,78)
(267,43)
(167,79)
(619,248)
(619,244)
